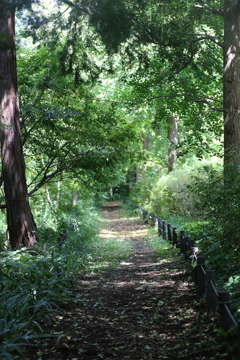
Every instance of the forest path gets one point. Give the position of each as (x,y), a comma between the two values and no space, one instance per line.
(142,308)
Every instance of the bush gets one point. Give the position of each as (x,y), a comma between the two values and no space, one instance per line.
(218,195)
(169,194)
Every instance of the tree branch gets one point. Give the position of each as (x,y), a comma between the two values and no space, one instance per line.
(60,169)
(45,179)
(213,10)
(78,5)
(206,37)
(207,102)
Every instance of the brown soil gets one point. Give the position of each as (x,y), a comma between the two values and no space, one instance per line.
(145,308)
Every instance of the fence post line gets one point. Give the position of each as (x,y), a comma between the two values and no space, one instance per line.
(159,220)
(211,296)
(204,279)
(169,231)
(200,276)
(223,302)
(182,234)
(174,229)
(164,230)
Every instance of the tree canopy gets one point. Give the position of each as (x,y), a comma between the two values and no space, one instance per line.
(99,79)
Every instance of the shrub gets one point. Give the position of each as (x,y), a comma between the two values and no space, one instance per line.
(169,194)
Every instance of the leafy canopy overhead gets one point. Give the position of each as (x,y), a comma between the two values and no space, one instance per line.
(157,53)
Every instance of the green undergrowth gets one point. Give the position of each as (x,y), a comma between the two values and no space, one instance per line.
(34,285)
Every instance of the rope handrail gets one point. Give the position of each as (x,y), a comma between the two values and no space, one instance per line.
(203,270)
(230,315)
(215,290)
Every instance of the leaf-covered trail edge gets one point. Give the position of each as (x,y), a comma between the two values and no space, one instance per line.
(144,307)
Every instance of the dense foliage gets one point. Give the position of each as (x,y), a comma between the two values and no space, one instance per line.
(97,82)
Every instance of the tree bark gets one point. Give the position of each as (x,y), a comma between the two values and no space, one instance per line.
(21,226)
(231,86)
(75,197)
(173,140)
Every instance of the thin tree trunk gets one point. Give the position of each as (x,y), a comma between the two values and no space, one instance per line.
(75,197)
(21,226)
(173,141)
(59,183)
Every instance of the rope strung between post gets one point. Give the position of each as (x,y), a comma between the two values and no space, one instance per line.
(230,315)
(203,270)
(216,293)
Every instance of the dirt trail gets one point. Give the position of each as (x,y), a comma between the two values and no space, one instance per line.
(145,308)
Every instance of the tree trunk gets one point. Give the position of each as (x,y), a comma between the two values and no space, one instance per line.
(75,197)
(232,84)
(21,226)
(173,140)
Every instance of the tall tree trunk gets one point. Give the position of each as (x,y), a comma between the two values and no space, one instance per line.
(232,84)
(21,226)
(173,141)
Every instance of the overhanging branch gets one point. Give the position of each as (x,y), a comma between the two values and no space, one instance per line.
(206,37)
(78,6)
(212,9)
(206,101)
(60,169)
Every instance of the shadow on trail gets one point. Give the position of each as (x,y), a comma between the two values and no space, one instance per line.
(145,308)
(139,311)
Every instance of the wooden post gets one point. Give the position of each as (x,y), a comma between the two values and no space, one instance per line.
(200,276)
(186,246)
(182,234)
(164,230)
(191,244)
(211,297)
(174,229)
(144,214)
(188,243)
(169,231)
(159,226)
(238,341)
(224,305)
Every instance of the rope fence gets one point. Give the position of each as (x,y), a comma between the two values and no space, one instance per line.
(204,279)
